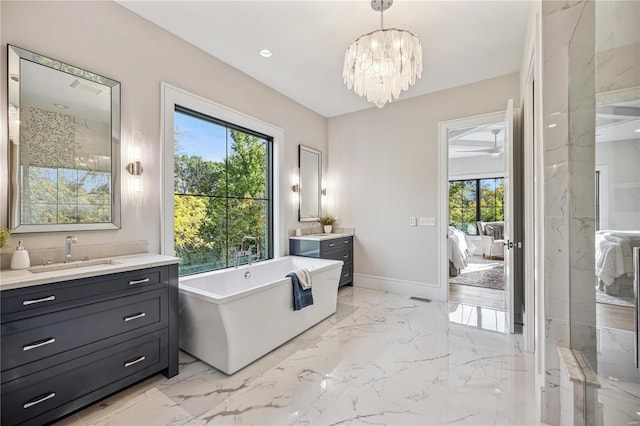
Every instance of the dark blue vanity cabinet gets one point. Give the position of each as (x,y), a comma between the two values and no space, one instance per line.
(67,344)
(339,248)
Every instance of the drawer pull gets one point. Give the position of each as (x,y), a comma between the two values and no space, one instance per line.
(44,299)
(38,344)
(346,256)
(346,241)
(132,317)
(134,282)
(332,244)
(135,361)
(39,400)
(345,275)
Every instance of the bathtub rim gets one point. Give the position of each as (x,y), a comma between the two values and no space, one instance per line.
(218,299)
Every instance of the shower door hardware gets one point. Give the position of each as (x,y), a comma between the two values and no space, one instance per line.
(636,303)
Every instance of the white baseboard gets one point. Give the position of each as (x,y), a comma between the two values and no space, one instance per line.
(407,288)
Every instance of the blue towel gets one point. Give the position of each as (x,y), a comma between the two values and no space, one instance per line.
(301,297)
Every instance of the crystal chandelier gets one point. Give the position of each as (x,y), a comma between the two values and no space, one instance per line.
(382,63)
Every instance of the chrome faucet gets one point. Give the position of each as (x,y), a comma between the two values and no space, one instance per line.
(247,251)
(67,247)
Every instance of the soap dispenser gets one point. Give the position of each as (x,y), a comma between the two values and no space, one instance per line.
(20,258)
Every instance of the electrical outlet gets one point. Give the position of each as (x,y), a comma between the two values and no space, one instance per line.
(412,221)
(427,221)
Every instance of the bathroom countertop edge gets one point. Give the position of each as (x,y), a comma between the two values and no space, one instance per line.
(14,279)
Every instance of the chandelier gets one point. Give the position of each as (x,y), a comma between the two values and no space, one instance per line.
(382,63)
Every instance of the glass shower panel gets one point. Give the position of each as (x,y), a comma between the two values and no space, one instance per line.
(617,174)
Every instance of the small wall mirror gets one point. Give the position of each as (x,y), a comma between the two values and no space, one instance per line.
(64,146)
(310,186)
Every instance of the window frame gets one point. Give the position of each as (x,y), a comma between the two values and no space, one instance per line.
(268,198)
(172,96)
(478,187)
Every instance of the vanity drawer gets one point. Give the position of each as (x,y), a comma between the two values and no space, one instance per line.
(343,254)
(38,394)
(31,339)
(48,297)
(346,275)
(334,244)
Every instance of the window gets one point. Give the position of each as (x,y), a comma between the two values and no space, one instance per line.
(223,191)
(475,200)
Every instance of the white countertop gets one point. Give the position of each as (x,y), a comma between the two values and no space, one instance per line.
(10,279)
(320,237)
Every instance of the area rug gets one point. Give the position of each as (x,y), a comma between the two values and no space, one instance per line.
(602,297)
(481,273)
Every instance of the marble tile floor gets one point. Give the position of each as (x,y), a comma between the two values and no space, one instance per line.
(381,359)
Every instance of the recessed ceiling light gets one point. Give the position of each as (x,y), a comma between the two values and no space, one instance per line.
(265,53)
(61,106)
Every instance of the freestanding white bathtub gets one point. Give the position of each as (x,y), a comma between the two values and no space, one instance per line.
(232,317)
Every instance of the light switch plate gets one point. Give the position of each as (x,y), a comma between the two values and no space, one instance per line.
(427,221)
(412,221)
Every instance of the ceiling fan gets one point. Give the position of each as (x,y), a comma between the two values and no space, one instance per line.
(495,150)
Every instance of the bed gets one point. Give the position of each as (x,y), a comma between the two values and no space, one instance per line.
(614,261)
(459,249)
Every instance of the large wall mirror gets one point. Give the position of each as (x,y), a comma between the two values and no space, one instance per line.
(310,187)
(64,146)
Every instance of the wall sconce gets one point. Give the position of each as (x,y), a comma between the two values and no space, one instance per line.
(135,168)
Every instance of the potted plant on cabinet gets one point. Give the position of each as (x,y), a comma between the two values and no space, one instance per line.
(327,222)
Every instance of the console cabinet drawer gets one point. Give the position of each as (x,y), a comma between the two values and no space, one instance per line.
(31,339)
(36,394)
(46,297)
(343,254)
(340,248)
(346,275)
(335,243)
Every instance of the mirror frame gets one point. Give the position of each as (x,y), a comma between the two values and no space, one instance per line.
(302,186)
(14,54)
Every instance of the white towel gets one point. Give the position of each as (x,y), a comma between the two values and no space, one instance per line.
(304,278)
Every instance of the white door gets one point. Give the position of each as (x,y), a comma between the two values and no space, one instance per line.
(509,292)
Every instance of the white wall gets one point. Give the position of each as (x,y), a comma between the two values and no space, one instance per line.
(107,39)
(383,164)
(476,167)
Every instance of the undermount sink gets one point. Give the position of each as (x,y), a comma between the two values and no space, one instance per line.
(71,265)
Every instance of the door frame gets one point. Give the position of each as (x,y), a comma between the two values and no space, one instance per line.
(443,183)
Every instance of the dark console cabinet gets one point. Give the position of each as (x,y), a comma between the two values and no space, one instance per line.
(339,248)
(67,344)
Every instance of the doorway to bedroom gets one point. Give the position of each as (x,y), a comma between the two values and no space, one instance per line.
(476,183)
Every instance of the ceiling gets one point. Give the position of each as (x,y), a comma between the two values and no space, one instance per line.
(463,41)
(467,142)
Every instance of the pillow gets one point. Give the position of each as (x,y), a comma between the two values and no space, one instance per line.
(498,233)
(495,231)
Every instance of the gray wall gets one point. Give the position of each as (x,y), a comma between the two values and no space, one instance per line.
(105,38)
(384,168)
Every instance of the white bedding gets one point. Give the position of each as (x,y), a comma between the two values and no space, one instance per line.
(458,249)
(613,254)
